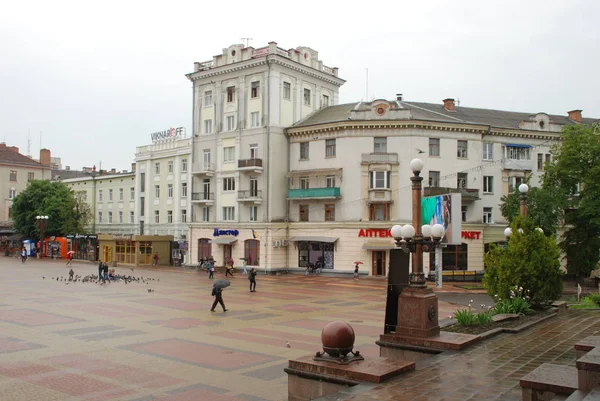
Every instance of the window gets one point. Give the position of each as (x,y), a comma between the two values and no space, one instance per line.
(330,148)
(488,153)
(304,182)
(252,252)
(207,98)
(121,194)
(254,87)
(157,191)
(463,214)
(304,151)
(157,216)
(142,182)
(253,213)
(208,126)
(183,189)
(514,182)
(12,193)
(325,101)
(379,212)
(99,217)
(156,168)
(255,119)
(434,146)
(303,212)
(30,177)
(170,190)
(461,180)
(461,149)
(10,214)
(380,179)
(13,175)
(229,213)
(487,215)
(183,165)
(488,184)
(206,214)
(230,123)
(142,206)
(183,216)
(110,195)
(454,257)
(330,181)
(99,195)
(518,153)
(230,94)
(169,216)
(254,187)
(120,217)
(540,161)
(131,217)
(170,167)
(109,217)
(254,151)
(132,193)
(307,97)
(229,154)
(330,212)
(229,184)
(548,158)
(287,90)
(380,145)
(434,178)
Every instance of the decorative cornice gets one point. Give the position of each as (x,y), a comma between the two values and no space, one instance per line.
(226,69)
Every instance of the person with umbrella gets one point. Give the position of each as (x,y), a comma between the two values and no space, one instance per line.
(70,258)
(217,292)
(356,269)
(252,278)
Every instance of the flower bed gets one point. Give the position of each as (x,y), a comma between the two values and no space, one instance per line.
(523,319)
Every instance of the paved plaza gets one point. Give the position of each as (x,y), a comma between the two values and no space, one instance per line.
(85,341)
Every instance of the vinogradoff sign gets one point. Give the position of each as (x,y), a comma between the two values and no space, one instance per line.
(171,133)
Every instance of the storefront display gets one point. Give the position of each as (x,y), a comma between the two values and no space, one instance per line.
(135,249)
(84,245)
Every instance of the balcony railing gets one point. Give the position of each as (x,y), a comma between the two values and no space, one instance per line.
(378,195)
(314,193)
(251,163)
(203,168)
(468,194)
(249,195)
(383,158)
(203,196)
(517,164)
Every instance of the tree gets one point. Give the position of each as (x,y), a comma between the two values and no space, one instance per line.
(573,176)
(45,198)
(529,261)
(82,212)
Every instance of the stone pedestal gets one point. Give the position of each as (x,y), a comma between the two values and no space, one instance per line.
(417,313)
(308,379)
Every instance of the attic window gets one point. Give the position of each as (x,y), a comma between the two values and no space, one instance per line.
(542,124)
(233,53)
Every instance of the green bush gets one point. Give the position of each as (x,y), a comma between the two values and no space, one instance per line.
(483,318)
(594,298)
(465,317)
(587,302)
(530,261)
(515,304)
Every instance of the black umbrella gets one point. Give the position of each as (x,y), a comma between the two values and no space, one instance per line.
(221,283)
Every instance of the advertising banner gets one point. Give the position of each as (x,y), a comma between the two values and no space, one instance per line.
(444,210)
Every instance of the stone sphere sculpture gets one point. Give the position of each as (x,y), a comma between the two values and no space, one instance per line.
(338,339)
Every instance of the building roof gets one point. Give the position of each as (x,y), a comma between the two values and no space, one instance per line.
(65,174)
(10,156)
(436,112)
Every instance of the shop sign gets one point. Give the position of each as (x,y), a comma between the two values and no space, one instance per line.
(171,133)
(375,233)
(82,236)
(217,232)
(471,234)
(122,236)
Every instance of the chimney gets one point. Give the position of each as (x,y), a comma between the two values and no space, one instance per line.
(449,104)
(113,171)
(133,167)
(399,97)
(45,157)
(575,115)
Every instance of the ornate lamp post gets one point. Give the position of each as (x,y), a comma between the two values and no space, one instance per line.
(94,173)
(523,189)
(42,223)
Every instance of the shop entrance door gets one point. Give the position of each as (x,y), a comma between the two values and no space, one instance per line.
(226,254)
(378,263)
(107,254)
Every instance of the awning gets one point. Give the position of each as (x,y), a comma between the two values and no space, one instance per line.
(378,246)
(330,240)
(224,240)
(517,145)
(315,172)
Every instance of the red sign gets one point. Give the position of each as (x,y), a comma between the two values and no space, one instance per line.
(471,234)
(375,233)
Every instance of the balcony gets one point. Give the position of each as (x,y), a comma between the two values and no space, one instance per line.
(314,193)
(517,164)
(379,195)
(250,165)
(250,196)
(203,197)
(379,158)
(468,194)
(203,168)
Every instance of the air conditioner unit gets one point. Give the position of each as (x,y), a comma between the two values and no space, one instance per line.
(277,243)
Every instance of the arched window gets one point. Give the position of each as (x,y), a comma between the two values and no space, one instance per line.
(204,248)
(252,252)
(454,257)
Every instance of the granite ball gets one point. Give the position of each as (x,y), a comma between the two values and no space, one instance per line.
(337,338)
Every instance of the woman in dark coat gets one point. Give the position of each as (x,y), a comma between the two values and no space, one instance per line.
(252,278)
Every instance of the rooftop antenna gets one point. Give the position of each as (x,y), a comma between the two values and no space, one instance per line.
(247,40)
(367,85)
(458,101)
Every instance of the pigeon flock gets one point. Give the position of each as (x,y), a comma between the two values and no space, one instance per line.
(94,279)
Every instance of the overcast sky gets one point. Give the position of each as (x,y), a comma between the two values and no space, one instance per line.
(96,78)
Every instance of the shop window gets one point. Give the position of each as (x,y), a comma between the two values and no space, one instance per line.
(204,248)
(379,212)
(434,146)
(303,212)
(316,253)
(145,253)
(454,257)
(330,212)
(125,252)
(252,252)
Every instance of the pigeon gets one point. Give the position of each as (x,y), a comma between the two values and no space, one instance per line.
(150,290)
(287,344)
(44,278)
(57,279)
(132,269)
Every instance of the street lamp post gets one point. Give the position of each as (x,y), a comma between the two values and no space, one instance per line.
(523,189)
(94,174)
(42,222)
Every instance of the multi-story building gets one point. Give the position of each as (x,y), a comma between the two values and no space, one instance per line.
(16,172)
(243,99)
(350,177)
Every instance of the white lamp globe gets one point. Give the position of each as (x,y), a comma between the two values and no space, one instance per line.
(426,230)
(397,231)
(523,188)
(437,231)
(416,165)
(521,231)
(408,231)
(38,217)
(507,232)
(46,217)
(539,229)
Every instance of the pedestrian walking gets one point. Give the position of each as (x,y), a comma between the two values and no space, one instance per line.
(105,270)
(229,268)
(252,278)
(70,258)
(155,259)
(100,269)
(356,271)
(23,255)
(245,264)
(218,294)
(211,269)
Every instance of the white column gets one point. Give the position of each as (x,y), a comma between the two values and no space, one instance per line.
(298,95)
(242,96)
(218,107)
